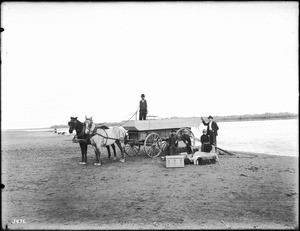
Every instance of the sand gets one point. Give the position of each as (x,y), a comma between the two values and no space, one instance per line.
(46,188)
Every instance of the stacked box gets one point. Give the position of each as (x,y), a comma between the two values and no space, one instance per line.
(175,161)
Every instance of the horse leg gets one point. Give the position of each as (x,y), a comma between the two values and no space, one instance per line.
(97,153)
(114,149)
(85,153)
(83,148)
(108,151)
(121,148)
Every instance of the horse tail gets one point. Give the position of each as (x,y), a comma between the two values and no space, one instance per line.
(121,133)
(124,133)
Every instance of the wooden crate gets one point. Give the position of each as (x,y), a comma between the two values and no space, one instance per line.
(175,161)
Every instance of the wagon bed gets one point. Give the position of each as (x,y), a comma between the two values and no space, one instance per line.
(159,124)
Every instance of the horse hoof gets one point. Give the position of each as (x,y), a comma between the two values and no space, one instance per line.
(97,164)
(122,160)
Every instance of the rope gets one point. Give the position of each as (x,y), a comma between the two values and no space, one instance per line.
(128,119)
(124,122)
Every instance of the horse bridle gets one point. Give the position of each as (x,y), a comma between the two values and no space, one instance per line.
(90,126)
(74,127)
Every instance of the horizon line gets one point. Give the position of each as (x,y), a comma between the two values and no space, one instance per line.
(50,127)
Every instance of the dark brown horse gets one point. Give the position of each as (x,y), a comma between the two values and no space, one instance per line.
(79,127)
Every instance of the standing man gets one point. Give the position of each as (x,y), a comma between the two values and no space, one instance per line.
(173,143)
(212,130)
(187,140)
(143,108)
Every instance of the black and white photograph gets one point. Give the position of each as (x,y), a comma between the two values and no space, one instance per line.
(132,115)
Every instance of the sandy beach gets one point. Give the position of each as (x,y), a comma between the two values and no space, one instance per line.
(46,188)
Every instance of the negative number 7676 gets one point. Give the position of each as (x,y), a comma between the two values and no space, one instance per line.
(19,221)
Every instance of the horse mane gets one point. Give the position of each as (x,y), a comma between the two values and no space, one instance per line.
(79,128)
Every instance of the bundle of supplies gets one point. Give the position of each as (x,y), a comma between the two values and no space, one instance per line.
(201,158)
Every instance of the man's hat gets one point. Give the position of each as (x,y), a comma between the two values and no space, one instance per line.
(210,117)
(142,95)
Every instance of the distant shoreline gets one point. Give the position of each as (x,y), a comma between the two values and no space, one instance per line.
(255,119)
(217,118)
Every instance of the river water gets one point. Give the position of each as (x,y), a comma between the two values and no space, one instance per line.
(276,137)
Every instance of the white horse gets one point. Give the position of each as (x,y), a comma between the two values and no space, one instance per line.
(100,138)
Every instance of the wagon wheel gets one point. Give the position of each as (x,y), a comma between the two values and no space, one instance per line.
(189,132)
(154,144)
(131,148)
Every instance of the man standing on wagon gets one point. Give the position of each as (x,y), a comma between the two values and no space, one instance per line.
(143,108)
(212,130)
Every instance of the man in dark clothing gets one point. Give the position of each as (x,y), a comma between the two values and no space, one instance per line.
(212,129)
(187,140)
(143,108)
(173,143)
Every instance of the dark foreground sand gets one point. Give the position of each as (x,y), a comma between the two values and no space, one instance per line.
(47,188)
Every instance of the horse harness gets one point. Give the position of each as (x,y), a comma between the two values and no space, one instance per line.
(96,133)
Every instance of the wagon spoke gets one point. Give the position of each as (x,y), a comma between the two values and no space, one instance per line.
(152,145)
(131,149)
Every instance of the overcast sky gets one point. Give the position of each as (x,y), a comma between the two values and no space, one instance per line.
(189,59)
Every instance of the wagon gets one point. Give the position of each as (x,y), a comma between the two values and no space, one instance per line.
(152,135)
